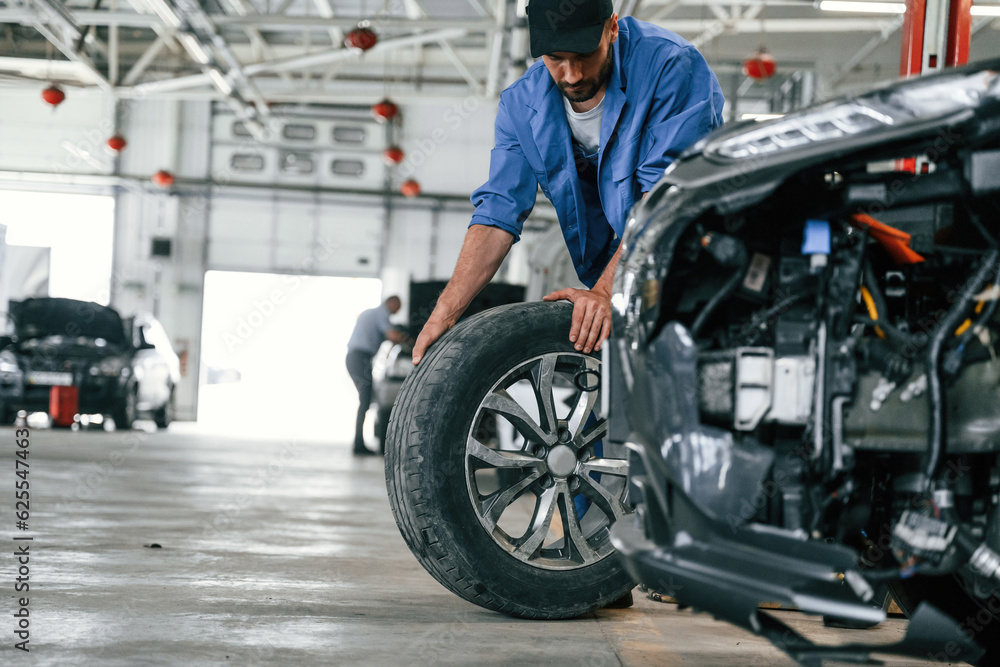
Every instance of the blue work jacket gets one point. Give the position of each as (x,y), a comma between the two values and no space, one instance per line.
(661,98)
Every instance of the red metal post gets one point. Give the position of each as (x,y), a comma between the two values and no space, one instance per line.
(912,60)
(959,33)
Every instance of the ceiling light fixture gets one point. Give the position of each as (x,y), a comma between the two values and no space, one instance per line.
(986,10)
(194,47)
(861,6)
(220,81)
(891,7)
(165,12)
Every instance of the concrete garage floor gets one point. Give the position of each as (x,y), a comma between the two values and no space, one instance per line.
(281,552)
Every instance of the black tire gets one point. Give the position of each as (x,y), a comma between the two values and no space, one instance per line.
(444,429)
(165,414)
(977,617)
(125,412)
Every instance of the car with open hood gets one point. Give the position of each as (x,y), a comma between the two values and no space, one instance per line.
(121,368)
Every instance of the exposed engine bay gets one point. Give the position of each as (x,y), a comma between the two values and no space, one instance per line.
(831,323)
(812,371)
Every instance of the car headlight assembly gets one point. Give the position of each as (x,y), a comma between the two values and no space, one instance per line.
(8,362)
(111,367)
(900,105)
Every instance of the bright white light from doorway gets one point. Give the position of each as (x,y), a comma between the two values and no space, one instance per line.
(287,337)
(78,228)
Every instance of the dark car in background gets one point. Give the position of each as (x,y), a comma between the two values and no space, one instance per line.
(124,369)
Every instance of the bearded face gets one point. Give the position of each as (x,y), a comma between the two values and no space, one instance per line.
(581,76)
(585,89)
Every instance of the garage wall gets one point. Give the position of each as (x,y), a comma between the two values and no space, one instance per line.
(448,145)
(284,223)
(277,232)
(65,139)
(448,152)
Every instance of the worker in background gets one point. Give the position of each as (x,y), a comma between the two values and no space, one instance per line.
(372,328)
(594,123)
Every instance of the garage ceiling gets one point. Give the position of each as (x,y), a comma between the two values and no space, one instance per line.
(292,51)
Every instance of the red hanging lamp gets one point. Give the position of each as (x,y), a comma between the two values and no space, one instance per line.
(361,37)
(116,143)
(760,65)
(53,95)
(393,155)
(163,178)
(384,111)
(410,188)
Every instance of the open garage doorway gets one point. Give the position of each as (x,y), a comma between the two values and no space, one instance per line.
(273,349)
(78,230)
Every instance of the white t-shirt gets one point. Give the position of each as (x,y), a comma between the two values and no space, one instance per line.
(586,126)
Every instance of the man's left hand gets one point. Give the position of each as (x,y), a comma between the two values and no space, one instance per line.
(591,316)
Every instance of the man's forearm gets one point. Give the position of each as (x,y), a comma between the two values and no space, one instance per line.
(606,282)
(483,250)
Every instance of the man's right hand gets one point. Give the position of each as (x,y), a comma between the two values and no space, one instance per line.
(433,330)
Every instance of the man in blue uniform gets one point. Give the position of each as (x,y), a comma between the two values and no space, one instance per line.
(594,123)
(372,328)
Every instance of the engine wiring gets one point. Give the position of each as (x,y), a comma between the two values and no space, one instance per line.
(869,302)
(935,389)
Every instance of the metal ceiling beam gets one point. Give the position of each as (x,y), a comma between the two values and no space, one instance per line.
(758,26)
(499,44)
(416,11)
(313,23)
(56,15)
(302,62)
(144,61)
(99,17)
(246,8)
(479,8)
(664,11)
(61,43)
(325,9)
(113,59)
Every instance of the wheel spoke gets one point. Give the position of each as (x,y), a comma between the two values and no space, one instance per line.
(584,406)
(573,536)
(496,504)
(501,403)
(541,379)
(540,522)
(612,507)
(498,458)
(596,433)
(606,466)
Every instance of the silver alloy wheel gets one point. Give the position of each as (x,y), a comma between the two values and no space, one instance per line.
(530,458)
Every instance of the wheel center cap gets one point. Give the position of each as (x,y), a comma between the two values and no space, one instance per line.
(561,461)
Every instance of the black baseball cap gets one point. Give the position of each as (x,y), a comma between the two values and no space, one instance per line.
(567,25)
